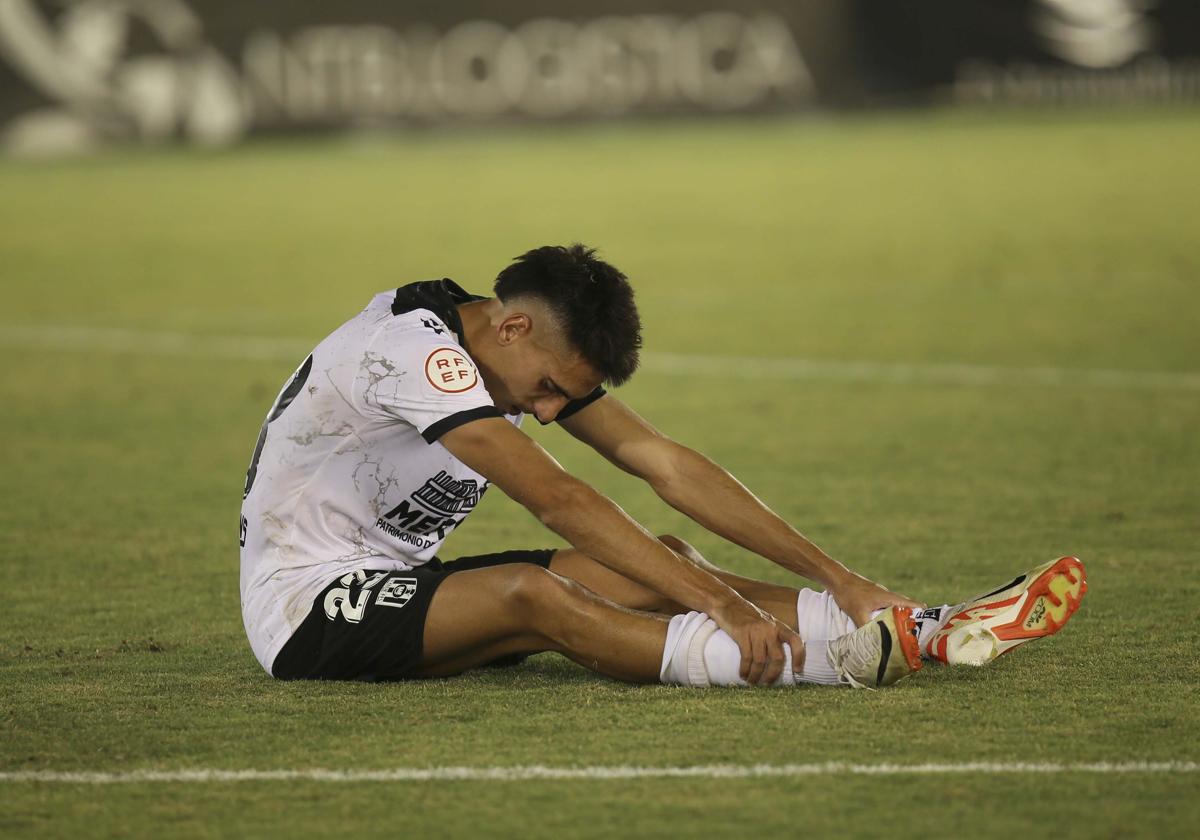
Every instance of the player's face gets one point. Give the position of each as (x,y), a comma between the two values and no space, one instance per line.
(539,374)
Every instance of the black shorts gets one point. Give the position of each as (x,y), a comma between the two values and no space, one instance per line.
(369,624)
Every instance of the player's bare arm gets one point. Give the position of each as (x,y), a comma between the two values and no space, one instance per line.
(704,491)
(596,526)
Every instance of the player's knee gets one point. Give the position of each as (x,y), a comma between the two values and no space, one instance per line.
(534,592)
(675,544)
(685,549)
(547,604)
(526,584)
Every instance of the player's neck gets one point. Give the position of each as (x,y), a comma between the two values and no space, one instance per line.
(476,321)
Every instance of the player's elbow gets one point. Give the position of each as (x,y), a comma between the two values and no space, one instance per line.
(669,473)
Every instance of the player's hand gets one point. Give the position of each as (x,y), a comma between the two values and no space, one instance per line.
(859,598)
(760,637)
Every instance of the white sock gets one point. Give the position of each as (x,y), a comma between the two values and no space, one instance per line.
(699,654)
(820,618)
(816,664)
(929,621)
(683,662)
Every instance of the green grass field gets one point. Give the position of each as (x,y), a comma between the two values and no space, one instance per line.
(1028,241)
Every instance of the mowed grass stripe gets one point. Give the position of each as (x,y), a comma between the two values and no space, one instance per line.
(265,348)
(535,772)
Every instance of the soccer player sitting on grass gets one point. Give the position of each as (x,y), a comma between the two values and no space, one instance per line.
(391,430)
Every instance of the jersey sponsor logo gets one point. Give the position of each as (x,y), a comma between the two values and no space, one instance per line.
(450,371)
(397,592)
(434,508)
(430,324)
(448,495)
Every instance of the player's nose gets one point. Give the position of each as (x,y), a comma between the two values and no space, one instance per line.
(547,409)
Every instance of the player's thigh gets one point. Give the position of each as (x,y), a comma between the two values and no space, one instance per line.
(491,611)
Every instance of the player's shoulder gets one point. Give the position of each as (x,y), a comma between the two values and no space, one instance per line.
(428,308)
(417,327)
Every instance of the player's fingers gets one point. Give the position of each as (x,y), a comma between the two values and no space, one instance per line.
(759,662)
(755,664)
(797,645)
(774,661)
(895,599)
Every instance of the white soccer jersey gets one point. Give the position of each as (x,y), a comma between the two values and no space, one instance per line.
(348,472)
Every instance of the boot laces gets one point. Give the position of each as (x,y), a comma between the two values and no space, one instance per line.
(855,656)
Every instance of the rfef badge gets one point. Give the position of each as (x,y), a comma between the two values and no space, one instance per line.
(450,371)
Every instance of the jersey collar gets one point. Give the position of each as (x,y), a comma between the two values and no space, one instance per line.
(438,296)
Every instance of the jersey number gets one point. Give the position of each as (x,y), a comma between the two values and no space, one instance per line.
(351,605)
(284,399)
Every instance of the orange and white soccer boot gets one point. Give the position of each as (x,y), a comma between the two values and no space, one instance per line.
(1036,604)
(879,653)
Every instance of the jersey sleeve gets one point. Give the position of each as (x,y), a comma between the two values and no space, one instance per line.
(424,380)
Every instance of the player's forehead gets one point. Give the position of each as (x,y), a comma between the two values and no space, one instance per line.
(562,360)
(572,372)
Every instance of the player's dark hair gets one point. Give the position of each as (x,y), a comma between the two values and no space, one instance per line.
(592,299)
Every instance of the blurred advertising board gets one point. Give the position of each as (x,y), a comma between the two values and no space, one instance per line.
(1030,52)
(78,73)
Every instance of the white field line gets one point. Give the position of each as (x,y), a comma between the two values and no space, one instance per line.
(262,348)
(538,772)
(137,342)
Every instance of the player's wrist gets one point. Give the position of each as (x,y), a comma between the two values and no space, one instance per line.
(840,578)
(724,609)
(714,605)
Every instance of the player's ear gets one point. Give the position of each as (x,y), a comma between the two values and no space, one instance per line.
(513,327)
